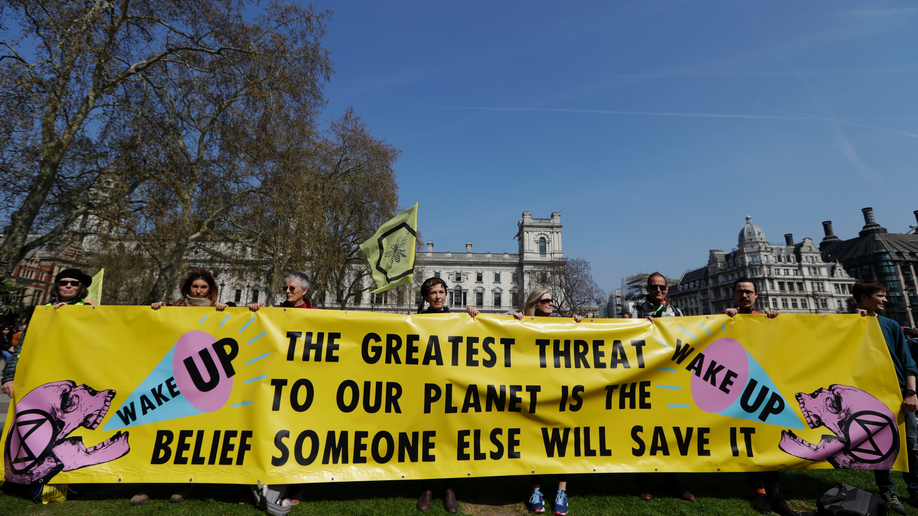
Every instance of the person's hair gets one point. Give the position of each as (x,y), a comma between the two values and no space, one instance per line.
(657,274)
(744,279)
(302,277)
(201,274)
(867,288)
(56,293)
(851,304)
(426,287)
(533,300)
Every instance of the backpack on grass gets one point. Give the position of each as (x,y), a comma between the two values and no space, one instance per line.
(845,500)
(272,499)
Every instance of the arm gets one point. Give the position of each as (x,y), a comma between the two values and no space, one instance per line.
(157,305)
(255,306)
(220,307)
(771,314)
(472,311)
(6,382)
(731,312)
(910,402)
(578,317)
(519,316)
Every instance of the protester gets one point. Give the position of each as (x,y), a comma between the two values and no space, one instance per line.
(198,289)
(766,496)
(871,298)
(296,288)
(70,288)
(433,291)
(657,304)
(6,343)
(541,304)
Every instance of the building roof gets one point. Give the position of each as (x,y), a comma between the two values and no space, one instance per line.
(896,244)
(751,231)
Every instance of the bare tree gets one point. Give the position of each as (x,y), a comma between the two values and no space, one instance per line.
(71,71)
(575,290)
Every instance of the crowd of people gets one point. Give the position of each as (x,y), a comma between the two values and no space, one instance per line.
(869,297)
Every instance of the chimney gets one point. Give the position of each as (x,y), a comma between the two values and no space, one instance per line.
(468,246)
(870,224)
(789,239)
(916,215)
(830,240)
(430,246)
(827,227)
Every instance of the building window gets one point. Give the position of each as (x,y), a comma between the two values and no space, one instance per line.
(460,298)
(497,300)
(542,246)
(496,277)
(255,296)
(784,303)
(381,298)
(479,299)
(781,286)
(800,286)
(803,304)
(515,278)
(238,297)
(794,303)
(478,277)
(837,290)
(458,276)
(824,303)
(437,274)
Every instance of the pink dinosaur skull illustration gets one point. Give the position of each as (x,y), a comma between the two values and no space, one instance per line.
(37,446)
(866,434)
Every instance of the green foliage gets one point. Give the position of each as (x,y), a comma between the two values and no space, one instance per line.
(12,309)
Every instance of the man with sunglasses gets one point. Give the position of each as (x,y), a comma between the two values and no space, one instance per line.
(296,286)
(655,304)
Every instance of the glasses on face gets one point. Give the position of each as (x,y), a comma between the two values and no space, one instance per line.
(67,283)
(291,288)
(656,287)
(546,301)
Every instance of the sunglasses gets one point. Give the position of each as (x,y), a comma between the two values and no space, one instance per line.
(67,283)
(290,288)
(657,287)
(546,301)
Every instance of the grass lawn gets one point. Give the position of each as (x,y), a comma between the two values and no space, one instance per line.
(718,493)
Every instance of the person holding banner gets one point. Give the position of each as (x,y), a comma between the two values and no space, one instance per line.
(433,291)
(541,304)
(766,497)
(198,289)
(296,286)
(656,304)
(70,288)
(871,298)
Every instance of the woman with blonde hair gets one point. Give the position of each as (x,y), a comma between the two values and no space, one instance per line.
(541,304)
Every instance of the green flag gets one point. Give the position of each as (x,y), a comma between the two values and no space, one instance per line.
(391,250)
(95,288)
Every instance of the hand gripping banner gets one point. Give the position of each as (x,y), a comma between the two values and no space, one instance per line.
(109,394)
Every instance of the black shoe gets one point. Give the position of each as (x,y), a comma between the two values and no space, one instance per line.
(779,506)
(760,503)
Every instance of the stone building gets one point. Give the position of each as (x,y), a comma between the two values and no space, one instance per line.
(494,282)
(793,278)
(891,258)
(491,282)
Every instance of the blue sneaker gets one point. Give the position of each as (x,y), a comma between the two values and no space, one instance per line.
(561,503)
(537,502)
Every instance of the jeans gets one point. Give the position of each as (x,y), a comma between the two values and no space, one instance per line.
(884,476)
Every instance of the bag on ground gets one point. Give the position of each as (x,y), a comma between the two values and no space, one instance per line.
(845,500)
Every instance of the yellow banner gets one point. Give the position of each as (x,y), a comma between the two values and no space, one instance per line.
(128,394)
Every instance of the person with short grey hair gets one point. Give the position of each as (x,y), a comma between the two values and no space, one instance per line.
(296,286)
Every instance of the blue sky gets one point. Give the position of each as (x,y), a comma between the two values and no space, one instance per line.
(655,127)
